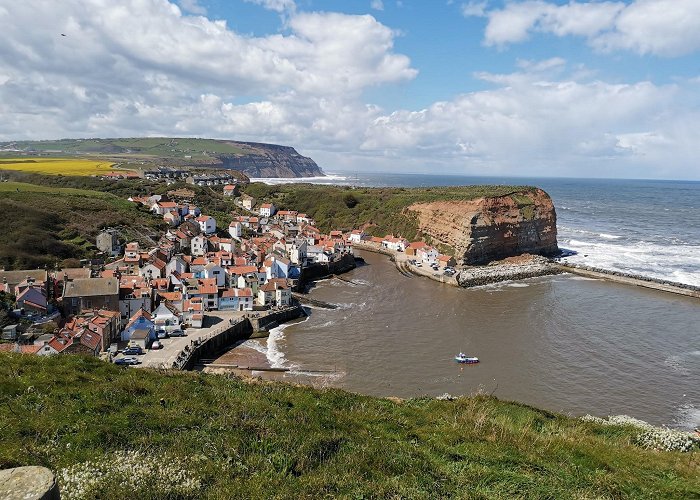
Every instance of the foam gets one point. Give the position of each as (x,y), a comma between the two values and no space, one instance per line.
(679,263)
(325,179)
(275,357)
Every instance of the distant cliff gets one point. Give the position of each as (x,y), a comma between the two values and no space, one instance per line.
(270,160)
(254,159)
(491,228)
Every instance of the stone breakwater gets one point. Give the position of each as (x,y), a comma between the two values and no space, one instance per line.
(487,275)
(631,279)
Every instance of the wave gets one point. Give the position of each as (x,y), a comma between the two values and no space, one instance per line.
(606,236)
(325,179)
(275,356)
(679,263)
(688,417)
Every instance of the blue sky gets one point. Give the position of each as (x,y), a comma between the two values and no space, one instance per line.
(519,87)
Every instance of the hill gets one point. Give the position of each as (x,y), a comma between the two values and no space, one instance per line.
(145,434)
(253,159)
(474,223)
(45,225)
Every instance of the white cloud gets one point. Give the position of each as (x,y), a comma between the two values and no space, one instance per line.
(659,27)
(377,5)
(281,6)
(474,9)
(193,7)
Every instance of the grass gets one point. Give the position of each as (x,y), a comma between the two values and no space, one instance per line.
(382,209)
(57,166)
(47,225)
(271,440)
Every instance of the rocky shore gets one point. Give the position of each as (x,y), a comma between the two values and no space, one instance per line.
(529,267)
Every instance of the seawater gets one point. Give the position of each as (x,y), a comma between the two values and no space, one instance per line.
(645,227)
(565,343)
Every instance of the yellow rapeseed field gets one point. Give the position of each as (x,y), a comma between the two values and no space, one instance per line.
(55,166)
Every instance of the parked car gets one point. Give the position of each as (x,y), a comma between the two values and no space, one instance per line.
(162,334)
(131,350)
(177,333)
(127,361)
(156,345)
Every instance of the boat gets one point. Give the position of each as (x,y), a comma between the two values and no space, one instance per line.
(463,358)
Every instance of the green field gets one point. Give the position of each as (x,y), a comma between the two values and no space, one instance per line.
(348,208)
(48,225)
(231,439)
(162,147)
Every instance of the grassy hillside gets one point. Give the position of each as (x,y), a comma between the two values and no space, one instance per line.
(188,435)
(346,208)
(44,225)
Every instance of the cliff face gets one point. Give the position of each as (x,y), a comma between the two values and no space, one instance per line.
(271,160)
(492,228)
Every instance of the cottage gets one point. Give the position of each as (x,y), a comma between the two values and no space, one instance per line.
(167,318)
(248,202)
(91,293)
(356,236)
(207,224)
(141,320)
(267,210)
(234,299)
(275,293)
(199,246)
(229,190)
(108,242)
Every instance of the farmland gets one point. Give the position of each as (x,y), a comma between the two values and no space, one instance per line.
(57,166)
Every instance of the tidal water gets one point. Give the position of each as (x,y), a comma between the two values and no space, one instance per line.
(564,343)
(645,227)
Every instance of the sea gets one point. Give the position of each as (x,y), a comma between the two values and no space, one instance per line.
(565,343)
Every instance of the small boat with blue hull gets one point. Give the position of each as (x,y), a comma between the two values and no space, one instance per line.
(468,360)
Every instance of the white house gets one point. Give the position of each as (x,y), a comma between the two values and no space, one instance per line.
(396,244)
(248,202)
(236,299)
(297,251)
(428,255)
(177,265)
(216,272)
(167,318)
(267,210)
(198,246)
(207,224)
(356,236)
(229,190)
(235,229)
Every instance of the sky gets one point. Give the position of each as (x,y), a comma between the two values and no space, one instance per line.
(556,88)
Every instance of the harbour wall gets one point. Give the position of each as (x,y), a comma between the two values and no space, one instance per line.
(240,329)
(632,279)
(320,270)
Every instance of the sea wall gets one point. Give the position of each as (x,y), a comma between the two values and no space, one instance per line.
(491,228)
(320,270)
(632,279)
(240,329)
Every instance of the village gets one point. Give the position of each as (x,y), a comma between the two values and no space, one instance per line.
(197,278)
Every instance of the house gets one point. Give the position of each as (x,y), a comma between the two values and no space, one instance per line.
(32,301)
(216,272)
(207,224)
(193,312)
(297,251)
(10,279)
(267,210)
(177,265)
(275,293)
(414,246)
(427,255)
(9,332)
(133,298)
(108,242)
(356,236)
(91,293)
(248,202)
(395,244)
(172,218)
(141,338)
(251,281)
(153,270)
(445,261)
(167,318)
(235,229)
(236,299)
(141,320)
(163,207)
(229,190)
(199,246)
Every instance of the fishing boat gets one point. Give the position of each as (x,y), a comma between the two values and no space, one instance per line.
(463,358)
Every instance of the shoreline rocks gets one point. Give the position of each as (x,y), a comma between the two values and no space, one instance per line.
(504,271)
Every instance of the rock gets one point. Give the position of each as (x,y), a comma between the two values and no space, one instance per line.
(486,275)
(28,483)
(271,160)
(492,228)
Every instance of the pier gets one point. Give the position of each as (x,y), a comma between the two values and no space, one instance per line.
(631,279)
